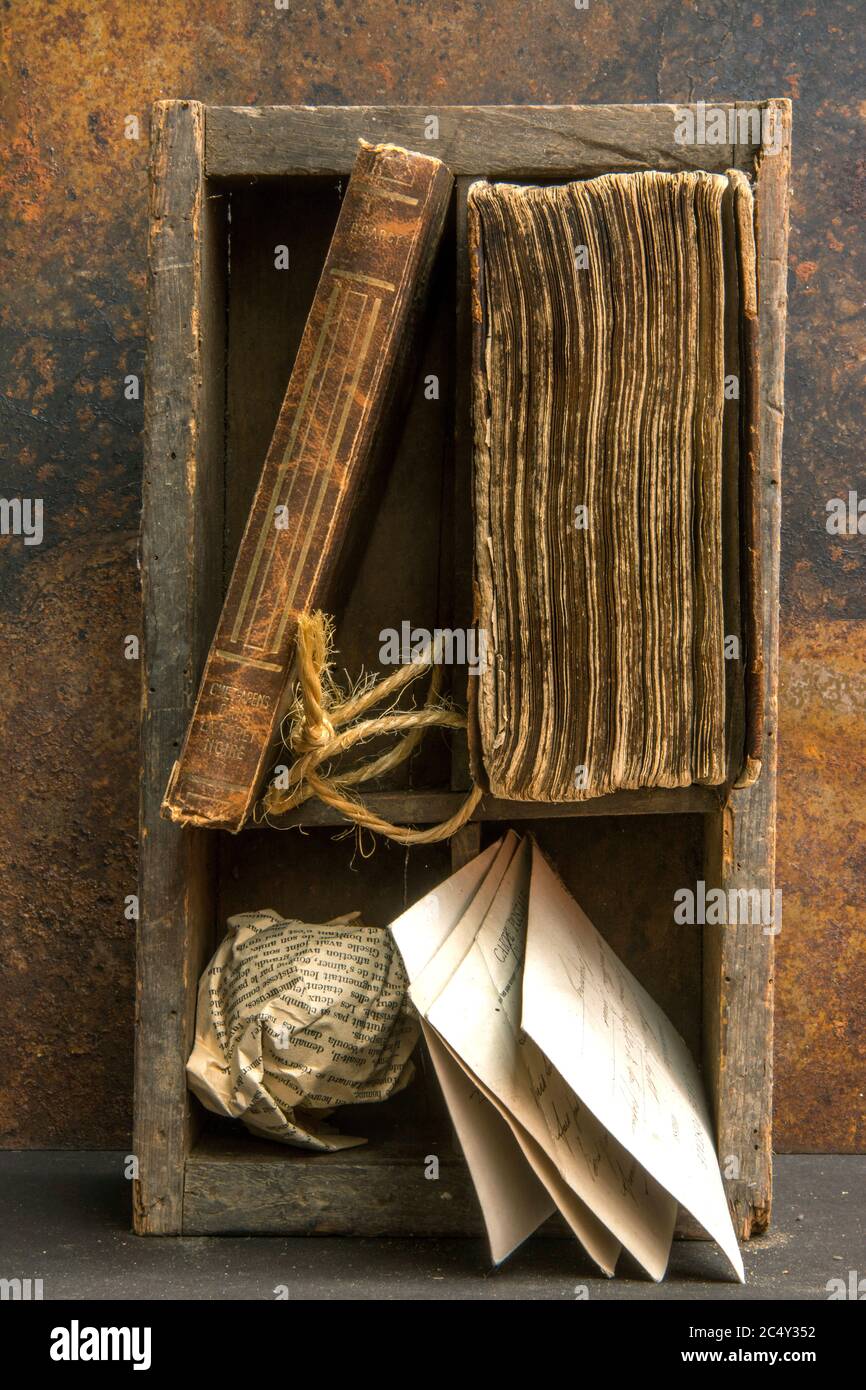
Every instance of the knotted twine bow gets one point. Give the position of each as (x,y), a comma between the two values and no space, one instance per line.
(322,725)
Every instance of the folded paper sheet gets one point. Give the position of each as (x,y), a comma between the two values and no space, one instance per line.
(296,1019)
(594,1105)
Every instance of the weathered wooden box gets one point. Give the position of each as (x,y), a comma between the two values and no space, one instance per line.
(229,187)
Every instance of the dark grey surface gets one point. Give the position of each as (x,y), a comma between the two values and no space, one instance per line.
(64,1218)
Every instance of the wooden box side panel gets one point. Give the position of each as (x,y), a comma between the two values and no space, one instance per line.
(478,141)
(741,840)
(181,582)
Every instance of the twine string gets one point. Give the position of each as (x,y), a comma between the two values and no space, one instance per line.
(323,725)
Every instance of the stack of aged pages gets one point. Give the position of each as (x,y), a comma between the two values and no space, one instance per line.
(599,402)
(568,1086)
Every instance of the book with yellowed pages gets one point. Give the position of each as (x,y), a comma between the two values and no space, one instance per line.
(568,1087)
(608,352)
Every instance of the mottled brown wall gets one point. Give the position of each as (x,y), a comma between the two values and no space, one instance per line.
(74,192)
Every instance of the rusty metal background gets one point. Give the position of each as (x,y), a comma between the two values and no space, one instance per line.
(74,196)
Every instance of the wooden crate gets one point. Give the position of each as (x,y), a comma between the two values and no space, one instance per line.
(228,186)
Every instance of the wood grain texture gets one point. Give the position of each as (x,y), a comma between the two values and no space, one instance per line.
(465,845)
(362,1192)
(267,311)
(181,581)
(750,447)
(732,579)
(427,807)
(493,141)
(238,1186)
(741,841)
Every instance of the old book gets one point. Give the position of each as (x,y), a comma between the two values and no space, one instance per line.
(293,554)
(601,426)
(569,1088)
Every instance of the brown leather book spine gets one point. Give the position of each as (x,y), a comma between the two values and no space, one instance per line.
(314,476)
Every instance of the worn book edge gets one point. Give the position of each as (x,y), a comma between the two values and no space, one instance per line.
(750,579)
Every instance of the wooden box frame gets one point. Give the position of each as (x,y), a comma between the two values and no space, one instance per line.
(190,1182)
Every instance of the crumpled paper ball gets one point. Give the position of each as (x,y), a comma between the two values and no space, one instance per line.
(295,1019)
